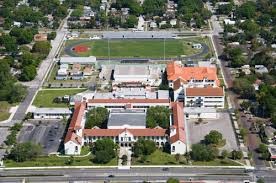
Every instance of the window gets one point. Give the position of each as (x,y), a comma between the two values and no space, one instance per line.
(173,148)
(129,138)
(76,148)
(122,139)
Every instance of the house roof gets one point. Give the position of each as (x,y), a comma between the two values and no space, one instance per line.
(209,91)
(77,116)
(115,132)
(72,136)
(52,111)
(126,101)
(175,71)
(178,123)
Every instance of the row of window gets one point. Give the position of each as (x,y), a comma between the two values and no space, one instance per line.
(128,138)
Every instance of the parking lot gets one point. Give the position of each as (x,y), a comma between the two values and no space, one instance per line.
(46,133)
(222,124)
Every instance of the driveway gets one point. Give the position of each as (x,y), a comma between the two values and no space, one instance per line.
(222,124)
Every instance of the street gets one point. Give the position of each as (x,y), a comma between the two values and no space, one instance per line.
(134,174)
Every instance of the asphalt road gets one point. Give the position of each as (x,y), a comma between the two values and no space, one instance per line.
(134,174)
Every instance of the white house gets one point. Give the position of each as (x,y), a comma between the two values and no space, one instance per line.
(51,113)
(229,22)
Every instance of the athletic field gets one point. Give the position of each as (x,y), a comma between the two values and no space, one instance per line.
(129,48)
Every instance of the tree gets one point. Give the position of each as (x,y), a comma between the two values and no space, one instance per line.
(42,47)
(236,154)
(28,73)
(201,152)
(225,9)
(158,116)
(103,150)
(131,21)
(246,10)
(172,180)
(96,117)
(102,157)
(9,43)
(143,147)
(23,35)
(224,154)
(51,36)
(214,137)
(244,88)
(154,7)
(17,93)
(25,151)
(260,180)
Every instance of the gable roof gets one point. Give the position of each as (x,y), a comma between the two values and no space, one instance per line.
(125,101)
(209,91)
(72,136)
(175,71)
(178,123)
(77,116)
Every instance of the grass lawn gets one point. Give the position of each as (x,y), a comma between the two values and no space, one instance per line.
(57,161)
(4,110)
(45,98)
(149,48)
(162,158)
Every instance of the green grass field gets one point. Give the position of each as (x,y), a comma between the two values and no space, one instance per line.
(162,158)
(45,98)
(140,48)
(4,110)
(58,161)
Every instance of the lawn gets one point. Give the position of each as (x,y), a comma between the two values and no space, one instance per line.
(45,98)
(138,48)
(57,161)
(4,110)
(162,158)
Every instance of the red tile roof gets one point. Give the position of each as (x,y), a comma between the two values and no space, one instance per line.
(72,136)
(175,71)
(75,124)
(115,132)
(77,116)
(178,123)
(204,91)
(126,101)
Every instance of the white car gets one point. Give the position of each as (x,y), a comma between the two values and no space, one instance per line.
(95,37)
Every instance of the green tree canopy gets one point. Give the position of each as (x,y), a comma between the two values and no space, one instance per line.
(25,151)
(244,88)
(103,150)
(9,42)
(214,137)
(143,147)
(28,73)
(158,116)
(154,7)
(131,21)
(201,152)
(96,117)
(42,47)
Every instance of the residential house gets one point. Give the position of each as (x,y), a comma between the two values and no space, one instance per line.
(40,37)
(261,69)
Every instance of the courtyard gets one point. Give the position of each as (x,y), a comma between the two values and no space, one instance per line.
(222,124)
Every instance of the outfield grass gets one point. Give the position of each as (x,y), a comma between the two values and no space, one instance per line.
(4,110)
(57,161)
(143,48)
(45,98)
(162,158)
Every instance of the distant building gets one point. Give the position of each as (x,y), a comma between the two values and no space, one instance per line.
(51,113)
(40,37)
(78,60)
(272,151)
(229,22)
(137,75)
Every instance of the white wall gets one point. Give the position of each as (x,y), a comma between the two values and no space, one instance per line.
(202,115)
(126,127)
(50,116)
(179,147)
(70,148)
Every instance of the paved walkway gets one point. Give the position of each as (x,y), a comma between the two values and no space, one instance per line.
(124,151)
